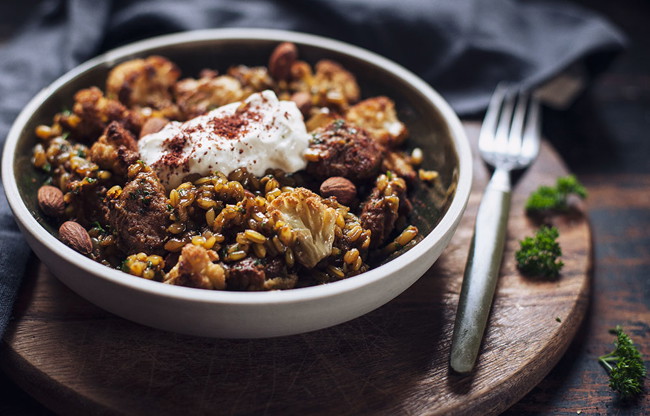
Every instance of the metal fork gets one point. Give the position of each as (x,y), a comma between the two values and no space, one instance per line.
(509,140)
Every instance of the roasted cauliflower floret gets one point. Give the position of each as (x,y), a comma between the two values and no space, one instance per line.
(195,268)
(398,163)
(378,117)
(115,150)
(143,82)
(334,86)
(198,96)
(252,79)
(302,77)
(320,119)
(92,112)
(312,222)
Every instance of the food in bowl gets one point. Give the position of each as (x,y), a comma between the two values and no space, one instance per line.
(262,178)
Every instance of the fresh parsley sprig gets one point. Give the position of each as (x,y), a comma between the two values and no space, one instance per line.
(625,366)
(555,198)
(538,255)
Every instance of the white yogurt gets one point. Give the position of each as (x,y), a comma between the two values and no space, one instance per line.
(260,133)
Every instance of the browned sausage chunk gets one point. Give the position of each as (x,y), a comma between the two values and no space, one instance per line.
(252,273)
(344,150)
(382,208)
(246,274)
(140,215)
(89,203)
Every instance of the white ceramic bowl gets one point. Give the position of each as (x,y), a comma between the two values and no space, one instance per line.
(433,125)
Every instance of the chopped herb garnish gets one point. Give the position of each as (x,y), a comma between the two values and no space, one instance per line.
(140,194)
(538,255)
(338,123)
(625,366)
(97,225)
(555,198)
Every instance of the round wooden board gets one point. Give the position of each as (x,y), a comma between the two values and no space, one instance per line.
(77,359)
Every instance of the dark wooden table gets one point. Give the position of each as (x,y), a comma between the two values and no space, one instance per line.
(604,139)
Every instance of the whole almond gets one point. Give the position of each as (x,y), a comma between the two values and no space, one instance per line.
(281,59)
(303,102)
(76,237)
(342,189)
(50,200)
(153,125)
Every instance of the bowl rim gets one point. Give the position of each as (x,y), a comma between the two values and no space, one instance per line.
(446,223)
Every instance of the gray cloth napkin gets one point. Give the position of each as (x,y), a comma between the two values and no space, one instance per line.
(463,48)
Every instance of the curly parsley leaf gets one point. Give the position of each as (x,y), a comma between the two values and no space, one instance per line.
(538,255)
(555,198)
(625,366)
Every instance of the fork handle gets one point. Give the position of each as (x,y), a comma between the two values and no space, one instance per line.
(481,272)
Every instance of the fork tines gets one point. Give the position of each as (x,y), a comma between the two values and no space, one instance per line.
(512,124)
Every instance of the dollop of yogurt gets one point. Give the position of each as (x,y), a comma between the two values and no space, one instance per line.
(259,133)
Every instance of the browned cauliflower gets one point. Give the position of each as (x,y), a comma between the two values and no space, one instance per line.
(92,112)
(311,220)
(302,77)
(195,268)
(398,163)
(198,96)
(143,82)
(320,118)
(115,150)
(334,86)
(252,79)
(378,117)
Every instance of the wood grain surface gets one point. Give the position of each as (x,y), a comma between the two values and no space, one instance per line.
(77,359)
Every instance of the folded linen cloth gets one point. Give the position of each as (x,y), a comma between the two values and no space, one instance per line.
(463,48)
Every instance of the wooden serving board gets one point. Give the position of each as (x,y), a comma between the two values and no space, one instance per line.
(77,359)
